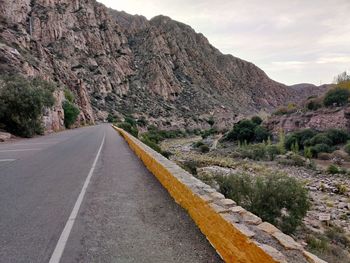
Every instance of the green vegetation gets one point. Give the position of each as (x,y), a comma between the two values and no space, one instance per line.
(314,104)
(278,199)
(333,169)
(69,95)
(338,96)
(347,148)
(316,142)
(154,136)
(211,121)
(205,134)
(337,136)
(257,120)
(22,102)
(291,108)
(330,246)
(299,137)
(249,131)
(132,129)
(111,118)
(204,148)
(71,112)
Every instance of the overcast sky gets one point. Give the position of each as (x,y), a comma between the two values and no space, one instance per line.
(293,41)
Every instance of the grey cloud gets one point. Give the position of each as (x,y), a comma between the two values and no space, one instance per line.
(293,41)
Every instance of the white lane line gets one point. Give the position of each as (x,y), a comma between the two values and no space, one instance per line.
(7,160)
(19,150)
(61,244)
(31,143)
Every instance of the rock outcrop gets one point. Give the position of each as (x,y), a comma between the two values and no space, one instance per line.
(122,64)
(321,120)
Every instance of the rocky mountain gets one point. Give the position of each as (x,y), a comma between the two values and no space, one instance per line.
(307,89)
(320,120)
(122,64)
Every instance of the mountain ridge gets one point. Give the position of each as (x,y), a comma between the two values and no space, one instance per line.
(120,64)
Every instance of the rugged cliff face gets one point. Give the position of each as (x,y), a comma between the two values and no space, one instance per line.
(320,120)
(122,64)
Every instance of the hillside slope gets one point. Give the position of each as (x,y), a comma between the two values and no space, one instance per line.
(122,64)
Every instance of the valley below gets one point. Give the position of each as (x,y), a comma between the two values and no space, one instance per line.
(326,224)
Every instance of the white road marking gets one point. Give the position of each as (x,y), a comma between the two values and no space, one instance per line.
(61,244)
(19,150)
(7,160)
(31,143)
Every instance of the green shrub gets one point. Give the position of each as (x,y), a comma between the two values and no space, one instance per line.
(156,135)
(129,128)
(242,131)
(22,102)
(151,144)
(337,136)
(316,243)
(337,96)
(249,131)
(258,151)
(142,122)
(268,196)
(320,148)
(211,121)
(307,152)
(320,138)
(261,134)
(300,137)
(257,120)
(333,169)
(281,111)
(111,118)
(281,142)
(71,113)
(69,95)
(297,160)
(130,120)
(347,148)
(272,151)
(204,148)
(313,104)
(205,134)
(295,148)
(198,144)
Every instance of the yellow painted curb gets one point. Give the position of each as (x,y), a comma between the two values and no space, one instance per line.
(230,243)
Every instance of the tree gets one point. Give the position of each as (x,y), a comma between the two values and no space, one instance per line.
(337,136)
(71,113)
(22,102)
(261,134)
(342,77)
(338,96)
(242,131)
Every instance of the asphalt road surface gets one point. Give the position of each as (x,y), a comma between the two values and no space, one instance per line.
(83,196)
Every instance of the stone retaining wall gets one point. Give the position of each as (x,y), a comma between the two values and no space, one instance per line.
(236,234)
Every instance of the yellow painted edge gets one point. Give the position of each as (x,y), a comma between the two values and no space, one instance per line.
(229,242)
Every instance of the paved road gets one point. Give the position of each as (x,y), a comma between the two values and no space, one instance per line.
(125,215)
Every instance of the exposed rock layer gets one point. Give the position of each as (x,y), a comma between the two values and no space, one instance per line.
(122,64)
(321,120)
